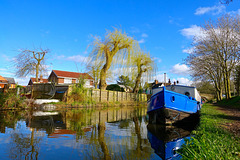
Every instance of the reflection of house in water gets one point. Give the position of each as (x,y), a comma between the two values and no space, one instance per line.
(48,121)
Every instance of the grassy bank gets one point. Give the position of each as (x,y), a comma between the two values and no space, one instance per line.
(210,140)
(233,102)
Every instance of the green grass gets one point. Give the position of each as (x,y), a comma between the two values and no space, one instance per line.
(210,140)
(233,102)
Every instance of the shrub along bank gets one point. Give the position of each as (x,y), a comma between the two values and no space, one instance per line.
(211,141)
(10,100)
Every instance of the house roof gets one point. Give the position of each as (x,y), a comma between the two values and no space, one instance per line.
(43,80)
(10,80)
(3,79)
(72,74)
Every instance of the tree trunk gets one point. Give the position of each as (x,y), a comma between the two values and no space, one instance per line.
(218,88)
(37,70)
(95,85)
(103,76)
(103,73)
(228,87)
(138,79)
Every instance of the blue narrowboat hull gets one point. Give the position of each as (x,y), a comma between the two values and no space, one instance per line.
(168,107)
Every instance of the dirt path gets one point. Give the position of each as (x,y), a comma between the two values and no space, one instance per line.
(234,115)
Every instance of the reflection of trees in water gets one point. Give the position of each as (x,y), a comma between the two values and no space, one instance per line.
(24,145)
(94,140)
(110,144)
(101,139)
(9,119)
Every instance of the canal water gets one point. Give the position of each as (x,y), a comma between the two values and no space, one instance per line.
(109,133)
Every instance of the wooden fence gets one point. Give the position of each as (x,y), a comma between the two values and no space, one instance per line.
(114,96)
(97,95)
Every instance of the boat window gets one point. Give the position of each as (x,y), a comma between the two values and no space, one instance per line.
(172,98)
(187,94)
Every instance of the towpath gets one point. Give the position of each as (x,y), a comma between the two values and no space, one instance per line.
(232,114)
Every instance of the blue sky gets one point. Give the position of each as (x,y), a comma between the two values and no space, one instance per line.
(163,28)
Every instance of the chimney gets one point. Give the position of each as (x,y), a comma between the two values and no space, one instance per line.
(165,79)
(41,78)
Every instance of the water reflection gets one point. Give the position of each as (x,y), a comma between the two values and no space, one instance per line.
(111,133)
(166,140)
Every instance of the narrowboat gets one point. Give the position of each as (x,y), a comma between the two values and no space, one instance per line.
(169,104)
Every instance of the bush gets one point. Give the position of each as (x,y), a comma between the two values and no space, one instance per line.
(79,93)
(10,99)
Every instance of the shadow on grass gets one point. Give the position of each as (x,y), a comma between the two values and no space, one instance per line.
(222,116)
(233,103)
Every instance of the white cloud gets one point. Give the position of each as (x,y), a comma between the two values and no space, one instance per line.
(5,73)
(235,12)
(159,77)
(60,57)
(7,58)
(78,58)
(22,81)
(134,30)
(141,41)
(194,30)
(214,10)
(188,50)
(74,58)
(144,35)
(180,69)
(157,59)
(183,81)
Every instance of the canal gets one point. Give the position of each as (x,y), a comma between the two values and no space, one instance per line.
(109,133)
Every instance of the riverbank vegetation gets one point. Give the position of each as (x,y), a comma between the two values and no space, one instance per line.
(10,100)
(211,140)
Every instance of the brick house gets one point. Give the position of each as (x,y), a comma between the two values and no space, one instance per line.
(65,77)
(40,80)
(3,82)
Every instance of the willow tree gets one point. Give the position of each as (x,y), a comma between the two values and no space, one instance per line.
(143,65)
(114,45)
(30,62)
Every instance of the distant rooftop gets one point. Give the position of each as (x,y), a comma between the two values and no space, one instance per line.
(10,80)
(72,74)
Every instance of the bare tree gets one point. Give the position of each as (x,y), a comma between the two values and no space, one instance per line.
(30,62)
(116,44)
(219,46)
(237,79)
(204,68)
